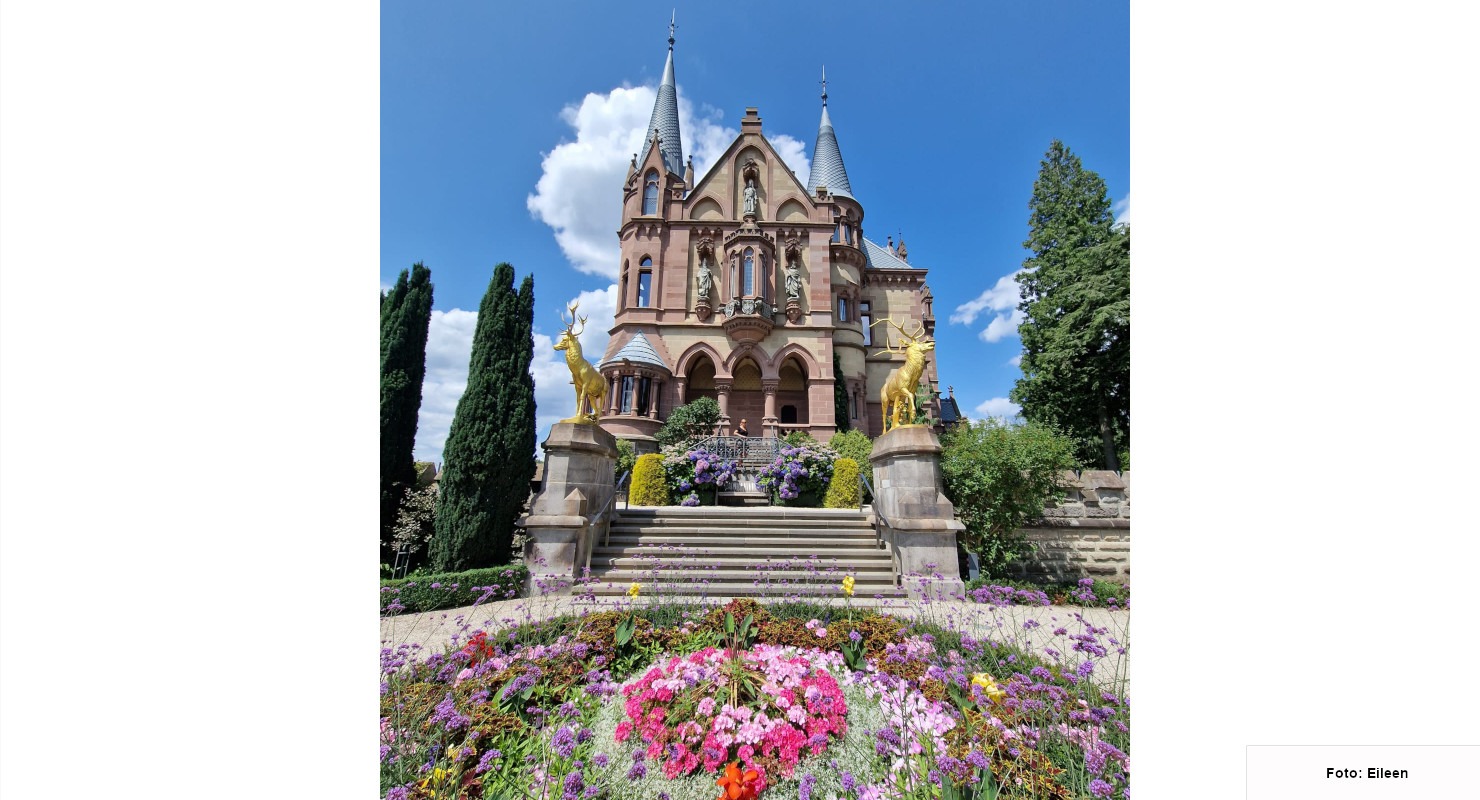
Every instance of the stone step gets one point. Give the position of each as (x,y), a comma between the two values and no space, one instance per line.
(730,542)
(755,553)
(623,520)
(880,562)
(808,535)
(726,590)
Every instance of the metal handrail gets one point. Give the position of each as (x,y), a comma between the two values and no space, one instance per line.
(889,540)
(604,518)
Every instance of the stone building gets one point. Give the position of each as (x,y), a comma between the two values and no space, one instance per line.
(742,284)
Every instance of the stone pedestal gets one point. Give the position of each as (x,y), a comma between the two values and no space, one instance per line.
(921,522)
(578,482)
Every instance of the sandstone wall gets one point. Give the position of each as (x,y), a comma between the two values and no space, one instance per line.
(1086,535)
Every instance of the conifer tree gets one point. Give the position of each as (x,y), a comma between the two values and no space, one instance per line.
(475,515)
(840,396)
(1076,304)
(405,317)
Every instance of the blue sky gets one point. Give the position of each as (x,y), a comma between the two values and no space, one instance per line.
(505,135)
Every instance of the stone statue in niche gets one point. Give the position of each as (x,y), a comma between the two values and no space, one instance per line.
(750,196)
(705,278)
(793,271)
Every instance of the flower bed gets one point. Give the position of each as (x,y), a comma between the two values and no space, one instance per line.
(819,702)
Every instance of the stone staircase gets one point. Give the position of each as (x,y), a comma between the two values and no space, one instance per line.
(726,552)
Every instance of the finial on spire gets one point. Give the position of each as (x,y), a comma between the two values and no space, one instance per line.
(672,24)
(824,85)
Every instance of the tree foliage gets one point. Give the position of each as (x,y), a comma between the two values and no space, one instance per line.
(649,482)
(999,476)
(489,455)
(840,396)
(405,316)
(856,445)
(689,422)
(1076,303)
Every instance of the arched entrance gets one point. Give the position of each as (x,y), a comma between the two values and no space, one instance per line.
(791,396)
(747,400)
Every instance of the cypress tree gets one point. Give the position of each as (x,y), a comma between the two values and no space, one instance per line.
(840,397)
(1076,302)
(405,317)
(485,481)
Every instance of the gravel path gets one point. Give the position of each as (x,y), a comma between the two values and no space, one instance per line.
(1031,626)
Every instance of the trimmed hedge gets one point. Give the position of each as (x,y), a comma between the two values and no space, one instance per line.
(649,482)
(842,491)
(452,589)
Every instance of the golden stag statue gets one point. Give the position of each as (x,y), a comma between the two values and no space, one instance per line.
(590,387)
(899,391)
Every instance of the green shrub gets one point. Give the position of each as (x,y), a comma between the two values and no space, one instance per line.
(626,460)
(689,422)
(999,476)
(801,439)
(649,482)
(452,589)
(856,445)
(842,490)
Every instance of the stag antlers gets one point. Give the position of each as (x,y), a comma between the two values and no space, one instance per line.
(911,338)
(569,326)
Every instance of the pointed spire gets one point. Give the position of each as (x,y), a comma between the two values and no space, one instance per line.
(827,160)
(665,112)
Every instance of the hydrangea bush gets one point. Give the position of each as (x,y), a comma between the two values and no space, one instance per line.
(689,470)
(799,471)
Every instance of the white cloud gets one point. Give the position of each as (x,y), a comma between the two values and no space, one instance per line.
(1001,326)
(1015,361)
(1122,210)
(1002,296)
(449,347)
(998,407)
(580,189)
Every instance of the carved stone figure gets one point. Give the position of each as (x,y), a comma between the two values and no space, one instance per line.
(749,196)
(793,281)
(705,278)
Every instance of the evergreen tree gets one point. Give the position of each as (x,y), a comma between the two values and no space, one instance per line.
(840,396)
(405,316)
(489,455)
(1076,301)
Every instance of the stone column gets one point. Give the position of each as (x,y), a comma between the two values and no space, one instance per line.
(578,482)
(614,396)
(655,391)
(769,421)
(921,522)
(723,390)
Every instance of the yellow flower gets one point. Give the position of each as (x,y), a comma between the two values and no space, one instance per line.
(990,688)
(848,585)
(633,591)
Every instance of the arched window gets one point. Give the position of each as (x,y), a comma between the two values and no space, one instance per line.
(650,193)
(747,274)
(765,278)
(788,415)
(645,283)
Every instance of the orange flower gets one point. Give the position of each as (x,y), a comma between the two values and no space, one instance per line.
(736,785)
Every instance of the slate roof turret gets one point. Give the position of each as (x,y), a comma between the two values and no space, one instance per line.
(665,116)
(827,159)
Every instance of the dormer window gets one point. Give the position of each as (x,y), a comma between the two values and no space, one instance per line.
(650,193)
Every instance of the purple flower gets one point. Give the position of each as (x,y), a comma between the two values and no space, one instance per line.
(638,771)
(848,781)
(600,760)
(486,762)
(1099,788)
(564,742)
(398,793)
(804,790)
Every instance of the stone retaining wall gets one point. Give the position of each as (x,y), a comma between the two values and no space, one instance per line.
(1086,535)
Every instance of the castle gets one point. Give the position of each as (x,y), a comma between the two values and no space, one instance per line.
(743,285)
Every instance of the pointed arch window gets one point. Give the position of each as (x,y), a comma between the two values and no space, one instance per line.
(650,193)
(747,273)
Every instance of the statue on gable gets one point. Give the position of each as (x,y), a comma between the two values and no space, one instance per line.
(750,197)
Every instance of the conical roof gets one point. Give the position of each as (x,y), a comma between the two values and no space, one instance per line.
(827,159)
(665,116)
